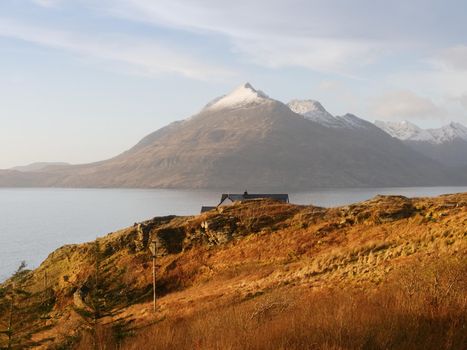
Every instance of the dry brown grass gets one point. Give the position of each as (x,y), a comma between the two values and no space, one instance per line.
(421,307)
(266,275)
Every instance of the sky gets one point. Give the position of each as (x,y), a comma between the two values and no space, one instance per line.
(83,80)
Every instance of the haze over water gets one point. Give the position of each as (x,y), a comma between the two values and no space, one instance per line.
(34,222)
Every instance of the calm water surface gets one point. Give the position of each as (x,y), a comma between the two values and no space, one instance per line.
(34,222)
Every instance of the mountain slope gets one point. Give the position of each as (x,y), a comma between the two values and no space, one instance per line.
(313,110)
(406,257)
(248,140)
(447,145)
(39,166)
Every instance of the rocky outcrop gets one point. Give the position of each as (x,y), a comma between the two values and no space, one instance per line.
(144,230)
(219,229)
(169,240)
(378,210)
(244,250)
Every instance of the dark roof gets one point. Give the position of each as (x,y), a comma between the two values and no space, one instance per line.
(206,208)
(249,196)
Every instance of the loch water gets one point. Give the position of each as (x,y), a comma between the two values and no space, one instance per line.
(36,221)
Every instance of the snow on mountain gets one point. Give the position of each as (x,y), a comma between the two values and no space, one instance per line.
(313,110)
(307,107)
(246,139)
(407,131)
(449,133)
(351,121)
(243,96)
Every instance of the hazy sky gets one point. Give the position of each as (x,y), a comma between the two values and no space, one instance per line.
(82,80)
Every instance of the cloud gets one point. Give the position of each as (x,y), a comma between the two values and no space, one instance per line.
(46,3)
(463,100)
(404,104)
(454,58)
(436,80)
(141,56)
(317,35)
(338,96)
(396,21)
(270,33)
(447,86)
(330,85)
(320,54)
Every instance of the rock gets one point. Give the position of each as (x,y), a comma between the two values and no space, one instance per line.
(169,240)
(144,230)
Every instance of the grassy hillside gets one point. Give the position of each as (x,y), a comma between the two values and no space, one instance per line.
(382,274)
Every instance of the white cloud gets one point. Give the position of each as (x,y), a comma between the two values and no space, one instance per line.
(46,3)
(330,85)
(141,56)
(454,58)
(338,97)
(404,104)
(446,87)
(320,54)
(273,33)
(433,81)
(463,101)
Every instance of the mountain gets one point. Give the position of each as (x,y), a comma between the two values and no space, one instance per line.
(39,166)
(313,110)
(407,131)
(448,144)
(242,97)
(246,139)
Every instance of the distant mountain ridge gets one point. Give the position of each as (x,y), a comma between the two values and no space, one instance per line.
(407,131)
(246,139)
(313,110)
(39,166)
(447,144)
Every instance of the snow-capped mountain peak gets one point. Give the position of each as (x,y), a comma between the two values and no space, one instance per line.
(313,110)
(449,133)
(407,131)
(305,107)
(243,96)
